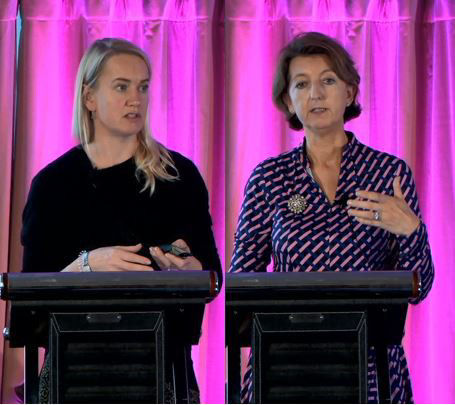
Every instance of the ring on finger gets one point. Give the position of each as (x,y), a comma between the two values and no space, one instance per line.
(377,216)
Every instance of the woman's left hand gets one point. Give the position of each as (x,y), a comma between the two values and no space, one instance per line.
(391,213)
(169,261)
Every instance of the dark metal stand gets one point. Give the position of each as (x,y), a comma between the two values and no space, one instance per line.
(31,374)
(234,372)
(382,365)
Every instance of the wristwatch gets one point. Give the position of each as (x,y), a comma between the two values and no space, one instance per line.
(84,266)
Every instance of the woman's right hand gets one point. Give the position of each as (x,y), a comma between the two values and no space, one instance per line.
(118,258)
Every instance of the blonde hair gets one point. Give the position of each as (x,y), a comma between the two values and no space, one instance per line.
(152,159)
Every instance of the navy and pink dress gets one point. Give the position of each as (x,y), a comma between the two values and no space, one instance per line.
(323,237)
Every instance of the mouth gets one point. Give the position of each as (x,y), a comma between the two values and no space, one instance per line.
(318,110)
(132,116)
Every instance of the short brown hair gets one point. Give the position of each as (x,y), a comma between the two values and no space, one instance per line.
(315,43)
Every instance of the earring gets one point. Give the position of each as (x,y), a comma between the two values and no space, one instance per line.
(93,115)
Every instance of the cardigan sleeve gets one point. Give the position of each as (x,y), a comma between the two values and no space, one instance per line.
(253,238)
(43,228)
(413,251)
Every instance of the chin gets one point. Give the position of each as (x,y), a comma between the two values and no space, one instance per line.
(127,134)
(321,129)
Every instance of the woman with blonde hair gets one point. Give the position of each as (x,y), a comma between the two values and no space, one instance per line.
(110,202)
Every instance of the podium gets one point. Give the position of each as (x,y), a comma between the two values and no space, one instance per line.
(112,337)
(309,332)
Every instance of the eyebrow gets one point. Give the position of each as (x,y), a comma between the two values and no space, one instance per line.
(304,74)
(122,79)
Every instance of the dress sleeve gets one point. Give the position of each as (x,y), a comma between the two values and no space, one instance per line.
(253,238)
(197,223)
(413,251)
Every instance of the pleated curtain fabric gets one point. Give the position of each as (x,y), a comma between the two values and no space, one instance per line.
(213,63)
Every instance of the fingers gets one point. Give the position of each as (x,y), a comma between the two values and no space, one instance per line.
(119,258)
(134,248)
(181,244)
(176,262)
(128,266)
(166,260)
(134,258)
(371,222)
(126,260)
(391,213)
(367,205)
(370,195)
(180,249)
(397,188)
(191,263)
(378,197)
(362,214)
(170,261)
(366,211)
(160,258)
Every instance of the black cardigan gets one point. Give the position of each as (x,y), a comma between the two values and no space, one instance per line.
(73,207)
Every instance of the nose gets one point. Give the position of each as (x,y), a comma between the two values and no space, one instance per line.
(134,98)
(134,103)
(316,91)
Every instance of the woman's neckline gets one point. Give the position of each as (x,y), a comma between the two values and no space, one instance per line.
(107,169)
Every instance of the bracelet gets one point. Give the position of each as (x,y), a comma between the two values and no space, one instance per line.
(83,262)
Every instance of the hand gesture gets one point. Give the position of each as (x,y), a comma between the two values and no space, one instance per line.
(118,258)
(391,213)
(168,261)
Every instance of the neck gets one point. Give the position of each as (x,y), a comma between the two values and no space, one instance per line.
(109,151)
(325,150)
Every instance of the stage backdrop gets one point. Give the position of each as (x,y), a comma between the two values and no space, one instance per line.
(187,93)
(405,54)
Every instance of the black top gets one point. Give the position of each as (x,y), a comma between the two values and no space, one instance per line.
(73,207)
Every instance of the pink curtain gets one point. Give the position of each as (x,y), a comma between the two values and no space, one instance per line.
(404,51)
(405,54)
(187,93)
(8,12)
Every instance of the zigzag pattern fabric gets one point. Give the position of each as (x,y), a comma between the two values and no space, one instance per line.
(323,237)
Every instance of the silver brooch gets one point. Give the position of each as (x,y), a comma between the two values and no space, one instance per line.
(297,204)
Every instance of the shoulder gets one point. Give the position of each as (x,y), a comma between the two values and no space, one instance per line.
(376,161)
(182,163)
(70,163)
(278,167)
(54,183)
(187,170)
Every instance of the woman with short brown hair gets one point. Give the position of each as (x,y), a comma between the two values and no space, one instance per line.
(331,204)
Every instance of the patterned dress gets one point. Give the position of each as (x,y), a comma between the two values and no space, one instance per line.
(323,237)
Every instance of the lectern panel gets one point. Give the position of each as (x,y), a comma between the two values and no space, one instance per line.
(309,357)
(106,357)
